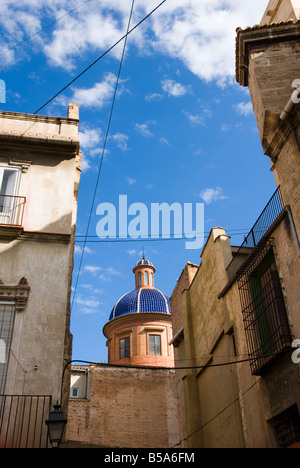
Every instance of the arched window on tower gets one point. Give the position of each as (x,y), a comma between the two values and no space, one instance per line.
(146,278)
(140,278)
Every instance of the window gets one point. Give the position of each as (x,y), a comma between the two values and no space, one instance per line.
(155,344)
(7,314)
(75,392)
(264,312)
(140,278)
(9,178)
(287,428)
(125,348)
(146,279)
(9,205)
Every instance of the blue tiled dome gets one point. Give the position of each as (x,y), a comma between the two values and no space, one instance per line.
(144,261)
(140,301)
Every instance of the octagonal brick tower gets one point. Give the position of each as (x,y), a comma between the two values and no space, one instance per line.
(140,324)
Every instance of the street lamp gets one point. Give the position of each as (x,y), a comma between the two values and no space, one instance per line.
(56,425)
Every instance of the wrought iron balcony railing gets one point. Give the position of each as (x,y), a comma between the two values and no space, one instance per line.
(22,421)
(269,215)
(11,210)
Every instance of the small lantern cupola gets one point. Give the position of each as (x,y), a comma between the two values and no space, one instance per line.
(144,274)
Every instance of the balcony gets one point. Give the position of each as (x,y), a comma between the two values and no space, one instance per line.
(11,210)
(265,221)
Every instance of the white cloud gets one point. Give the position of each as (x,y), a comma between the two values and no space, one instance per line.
(199,119)
(200,37)
(154,97)
(164,141)
(78,250)
(89,144)
(175,89)
(108,274)
(89,138)
(144,129)
(88,302)
(97,96)
(211,195)
(244,108)
(195,119)
(92,269)
(121,140)
(130,181)
(131,252)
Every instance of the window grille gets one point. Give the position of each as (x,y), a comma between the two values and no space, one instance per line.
(263,307)
(287,428)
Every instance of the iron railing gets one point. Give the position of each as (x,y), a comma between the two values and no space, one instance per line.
(269,215)
(11,210)
(263,307)
(22,421)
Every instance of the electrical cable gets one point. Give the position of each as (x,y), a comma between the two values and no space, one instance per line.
(103,150)
(101,56)
(182,236)
(200,367)
(217,415)
(43,29)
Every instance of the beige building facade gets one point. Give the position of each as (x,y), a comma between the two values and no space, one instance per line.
(240,310)
(39,178)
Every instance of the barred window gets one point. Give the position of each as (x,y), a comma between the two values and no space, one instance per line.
(264,312)
(287,428)
(7,315)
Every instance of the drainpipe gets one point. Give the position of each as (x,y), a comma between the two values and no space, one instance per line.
(293,228)
(294,99)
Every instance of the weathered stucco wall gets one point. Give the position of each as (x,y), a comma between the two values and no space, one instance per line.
(46,152)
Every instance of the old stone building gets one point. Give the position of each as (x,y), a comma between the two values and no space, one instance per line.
(238,318)
(122,403)
(39,177)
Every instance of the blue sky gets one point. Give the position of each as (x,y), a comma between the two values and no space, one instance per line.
(182,129)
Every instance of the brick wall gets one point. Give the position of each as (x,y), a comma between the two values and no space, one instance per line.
(134,407)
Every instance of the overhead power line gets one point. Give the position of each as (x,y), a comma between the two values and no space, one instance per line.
(43,29)
(171,237)
(103,150)
(101,56)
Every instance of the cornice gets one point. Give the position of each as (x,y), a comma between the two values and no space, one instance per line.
(250,38)
(17,294)
(278,138)
(17,233)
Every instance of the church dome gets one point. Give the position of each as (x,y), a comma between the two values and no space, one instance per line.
(144,261)
(142,300)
